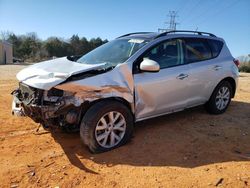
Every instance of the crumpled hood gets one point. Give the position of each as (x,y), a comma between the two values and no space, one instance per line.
(48,74)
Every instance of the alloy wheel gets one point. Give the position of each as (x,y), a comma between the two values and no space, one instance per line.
(110,129)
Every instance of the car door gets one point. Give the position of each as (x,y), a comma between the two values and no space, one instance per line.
(165,91)
(204,71)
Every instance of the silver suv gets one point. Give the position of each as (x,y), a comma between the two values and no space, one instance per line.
(132,78)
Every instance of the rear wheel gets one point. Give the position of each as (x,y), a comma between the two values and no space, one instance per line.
(106,125)
(220,99)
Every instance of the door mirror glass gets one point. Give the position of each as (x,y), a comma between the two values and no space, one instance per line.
(148,65)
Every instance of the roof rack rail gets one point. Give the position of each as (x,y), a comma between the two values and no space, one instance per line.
(185,31)
(133,34)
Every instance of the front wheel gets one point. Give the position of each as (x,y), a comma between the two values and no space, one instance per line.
(220,99)
(106,125)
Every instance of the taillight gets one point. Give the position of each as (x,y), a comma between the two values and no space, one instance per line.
(236,62)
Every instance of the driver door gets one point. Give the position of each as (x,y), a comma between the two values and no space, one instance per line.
(164,91)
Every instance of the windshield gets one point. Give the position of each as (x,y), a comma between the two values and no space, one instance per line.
(113,52)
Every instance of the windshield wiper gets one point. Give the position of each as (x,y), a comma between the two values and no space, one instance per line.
(74,57)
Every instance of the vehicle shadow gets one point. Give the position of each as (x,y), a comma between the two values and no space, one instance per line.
(188,139)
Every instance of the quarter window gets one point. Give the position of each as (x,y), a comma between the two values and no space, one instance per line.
(196,50)
(216,47)
(167,54)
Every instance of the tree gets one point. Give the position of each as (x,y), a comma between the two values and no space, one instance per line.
(75,44)
(16,42)
(95,42)
(57,47)
(4,35)
(30,47)
(85,46)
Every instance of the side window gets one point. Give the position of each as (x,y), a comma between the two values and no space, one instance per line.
(216,46)
(196,50)
(167,54)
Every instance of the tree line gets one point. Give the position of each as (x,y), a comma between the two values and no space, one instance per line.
(244,63)
(32,49)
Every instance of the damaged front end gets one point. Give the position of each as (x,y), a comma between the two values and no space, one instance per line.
(52,107)
(64,104)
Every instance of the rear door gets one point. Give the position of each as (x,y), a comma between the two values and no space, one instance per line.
(204,70)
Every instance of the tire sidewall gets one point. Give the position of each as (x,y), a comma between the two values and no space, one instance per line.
(212,102)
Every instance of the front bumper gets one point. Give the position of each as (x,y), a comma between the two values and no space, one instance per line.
(39,113)
(50,108)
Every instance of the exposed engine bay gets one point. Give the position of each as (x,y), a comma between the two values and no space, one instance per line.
(49,108)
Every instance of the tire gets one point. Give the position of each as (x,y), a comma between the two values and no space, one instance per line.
(213,105)
(97,117)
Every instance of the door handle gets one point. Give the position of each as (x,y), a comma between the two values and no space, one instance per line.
(217,67)
(182,76)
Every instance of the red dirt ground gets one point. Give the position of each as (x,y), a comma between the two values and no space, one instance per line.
(186,149)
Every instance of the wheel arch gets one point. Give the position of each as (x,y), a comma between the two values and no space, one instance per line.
(232,83)
(86,105)
(119,99)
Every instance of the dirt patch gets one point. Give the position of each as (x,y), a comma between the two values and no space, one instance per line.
(186,149)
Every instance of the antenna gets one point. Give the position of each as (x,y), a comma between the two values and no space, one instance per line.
(171,24)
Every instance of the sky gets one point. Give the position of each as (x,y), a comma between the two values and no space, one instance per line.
(108,19)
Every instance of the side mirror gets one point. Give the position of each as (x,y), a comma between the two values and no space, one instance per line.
(148,65)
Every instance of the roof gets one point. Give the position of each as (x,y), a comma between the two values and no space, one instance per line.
(154,35)
(5,42)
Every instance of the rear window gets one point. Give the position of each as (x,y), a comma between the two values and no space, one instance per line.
(197,50)
(216,47)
